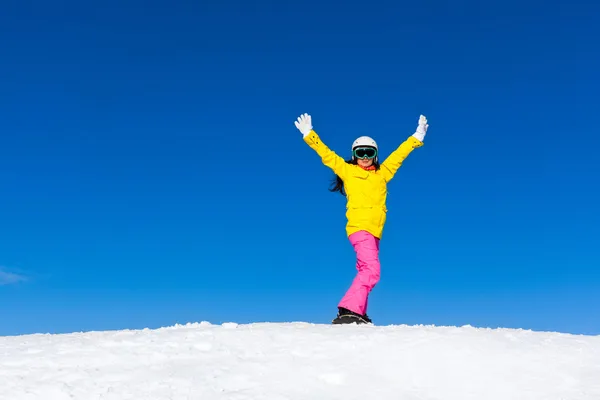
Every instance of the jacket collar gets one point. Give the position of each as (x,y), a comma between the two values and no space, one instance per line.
(369,168)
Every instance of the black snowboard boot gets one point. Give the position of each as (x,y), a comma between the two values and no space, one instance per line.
(346,316)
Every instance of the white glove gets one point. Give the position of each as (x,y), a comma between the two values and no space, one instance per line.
(304,124)
(421,129)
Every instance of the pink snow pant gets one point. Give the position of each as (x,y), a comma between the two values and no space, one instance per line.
(366,247)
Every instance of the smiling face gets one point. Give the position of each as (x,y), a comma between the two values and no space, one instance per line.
(365,162)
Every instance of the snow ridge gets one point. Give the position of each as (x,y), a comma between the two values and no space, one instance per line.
(277,361)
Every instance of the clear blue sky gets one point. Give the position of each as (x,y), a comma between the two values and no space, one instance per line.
(151,173)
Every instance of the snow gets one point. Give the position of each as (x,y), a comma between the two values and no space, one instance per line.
(280,361)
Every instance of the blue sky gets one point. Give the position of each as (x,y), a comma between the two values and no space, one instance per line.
(151,173)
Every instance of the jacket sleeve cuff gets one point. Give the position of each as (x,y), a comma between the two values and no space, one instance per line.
(312,138)
(415,142)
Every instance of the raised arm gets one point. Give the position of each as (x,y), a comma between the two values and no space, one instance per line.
(329,157)
(395,160)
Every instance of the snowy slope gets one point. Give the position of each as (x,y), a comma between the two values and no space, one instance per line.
(301,361)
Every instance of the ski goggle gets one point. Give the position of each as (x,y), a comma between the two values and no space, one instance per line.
(364,152)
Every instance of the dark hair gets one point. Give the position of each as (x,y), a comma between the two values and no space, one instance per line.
(337,184)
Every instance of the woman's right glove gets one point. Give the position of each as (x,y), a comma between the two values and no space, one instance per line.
(304,124)
(421,129)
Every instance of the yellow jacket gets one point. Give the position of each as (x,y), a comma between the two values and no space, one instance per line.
(366,191)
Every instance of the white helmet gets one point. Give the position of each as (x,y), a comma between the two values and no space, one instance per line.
(364,141)
(367,142)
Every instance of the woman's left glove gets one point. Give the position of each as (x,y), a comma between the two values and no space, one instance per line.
(304,124)
(421,129)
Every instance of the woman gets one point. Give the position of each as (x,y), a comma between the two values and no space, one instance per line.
(364,183)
